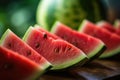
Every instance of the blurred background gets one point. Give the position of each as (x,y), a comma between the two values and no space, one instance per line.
(18,15)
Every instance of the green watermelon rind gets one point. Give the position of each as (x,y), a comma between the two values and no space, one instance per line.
(45,66)
(96,51)
(67,64)
(105,54)
(46,19)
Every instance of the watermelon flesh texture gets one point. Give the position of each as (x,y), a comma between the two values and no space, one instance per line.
(60,53)
(111,40)
(106,25)
(17,67)
(90,45)
(44,31)
(109,27)
(13,42)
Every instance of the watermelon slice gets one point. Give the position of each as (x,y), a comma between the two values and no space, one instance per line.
(17,67)
(57,51)
(13,42)
(106,25)
(80,40)
(109,27)
(111,40)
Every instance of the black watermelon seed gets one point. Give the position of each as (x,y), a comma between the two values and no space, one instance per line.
(45,36)
(37,45)
(28,52)
(9,45)
(57,50)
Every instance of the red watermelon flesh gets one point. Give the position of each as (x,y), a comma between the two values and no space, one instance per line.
(111,40)
(60,53)
(44,31)
(109,27)
(106,25)
(17,67)
(13,42)
(90,45)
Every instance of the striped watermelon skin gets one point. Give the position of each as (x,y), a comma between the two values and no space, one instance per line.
(68,12)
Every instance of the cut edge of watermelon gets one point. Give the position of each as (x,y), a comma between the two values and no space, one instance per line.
(45,66)
(38,70)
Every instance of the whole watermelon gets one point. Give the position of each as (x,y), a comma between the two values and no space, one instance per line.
(69,12)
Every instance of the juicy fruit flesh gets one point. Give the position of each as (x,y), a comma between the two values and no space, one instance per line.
(106,25)
(85,42)
(58,52)
(16,67)
(44,31)
(111,40)
(109,27)
(11,41)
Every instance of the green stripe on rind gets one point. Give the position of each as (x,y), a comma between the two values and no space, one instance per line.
(45,16)
(41,11)
(71,62)
(4,36)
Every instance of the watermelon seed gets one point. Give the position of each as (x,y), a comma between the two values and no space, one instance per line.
(69,48)
(57,50)
(7,66)
(37,45)
(28,52)
(45,36)
(9,45)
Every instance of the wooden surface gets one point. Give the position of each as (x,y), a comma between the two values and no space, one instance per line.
(104,69)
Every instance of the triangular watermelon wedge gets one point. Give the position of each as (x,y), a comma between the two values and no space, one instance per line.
(111,40)
(59,52)
(13,42)
(92,47)
(17,67)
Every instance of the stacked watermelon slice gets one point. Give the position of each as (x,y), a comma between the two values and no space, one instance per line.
(39,50)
